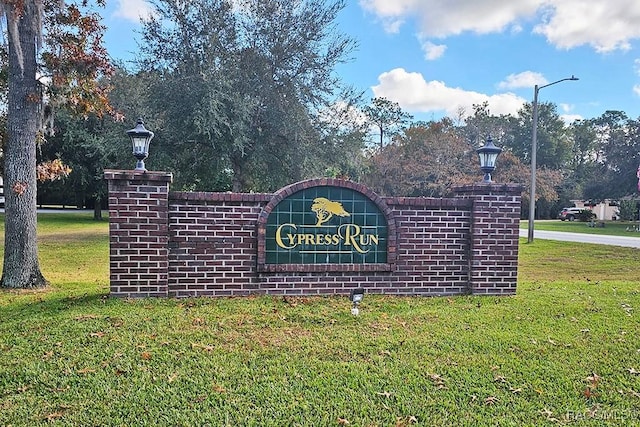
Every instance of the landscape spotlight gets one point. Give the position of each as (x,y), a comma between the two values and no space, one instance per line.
(356,296)
(140,139)
(488,154)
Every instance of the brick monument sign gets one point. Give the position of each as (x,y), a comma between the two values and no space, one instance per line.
(316,237)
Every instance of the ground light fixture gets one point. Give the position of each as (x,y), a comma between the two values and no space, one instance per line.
(356,297)
(488,154)
(140,140)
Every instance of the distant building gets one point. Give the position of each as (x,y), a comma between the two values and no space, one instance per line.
(606,210)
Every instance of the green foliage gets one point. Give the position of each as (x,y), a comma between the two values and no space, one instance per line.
(387,117)
(586,215)
(88,145)
(71,356)
(240,90)
(426,161)
(628,210)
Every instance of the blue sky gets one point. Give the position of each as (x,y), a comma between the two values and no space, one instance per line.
(438,57)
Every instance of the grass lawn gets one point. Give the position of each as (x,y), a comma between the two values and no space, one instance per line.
(613,228)
(563,351)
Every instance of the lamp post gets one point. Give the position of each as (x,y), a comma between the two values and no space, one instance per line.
(534,142)
(140,140)
(488,154)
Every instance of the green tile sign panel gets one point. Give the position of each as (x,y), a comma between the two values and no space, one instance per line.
(326,225)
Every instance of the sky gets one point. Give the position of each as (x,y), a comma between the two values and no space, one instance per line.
(437,58)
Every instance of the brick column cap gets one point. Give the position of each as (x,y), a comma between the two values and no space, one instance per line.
(488,188)
(134,175)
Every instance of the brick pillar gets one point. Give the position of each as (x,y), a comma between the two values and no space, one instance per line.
(138,232)
(495,223)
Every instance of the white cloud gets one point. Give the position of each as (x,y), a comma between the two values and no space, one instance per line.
(133,10)
(566,117)
(522,80)
(441,18)
(606,26)
(414,94)
(566,107)
(570,118)
(433,51)
(392,26)
(636,89)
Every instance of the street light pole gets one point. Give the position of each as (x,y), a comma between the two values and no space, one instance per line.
(534,143)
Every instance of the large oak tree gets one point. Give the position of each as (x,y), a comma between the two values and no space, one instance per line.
(55,54)
(241,86)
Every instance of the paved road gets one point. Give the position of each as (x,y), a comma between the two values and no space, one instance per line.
(631,242)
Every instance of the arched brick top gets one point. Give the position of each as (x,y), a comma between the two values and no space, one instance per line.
(287,191)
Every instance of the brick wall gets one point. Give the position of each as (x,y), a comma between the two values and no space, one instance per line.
(206,244)
(138,238)
(494,237)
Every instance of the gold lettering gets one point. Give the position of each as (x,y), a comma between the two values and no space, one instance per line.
(279,241)
(347,235)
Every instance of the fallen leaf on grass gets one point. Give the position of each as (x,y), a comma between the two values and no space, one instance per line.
(438,381)
(593,379)
(384,393)
(491,400)
(205,347)
(343,421)
(83,317)
(98,334)
(500,379)
(589,393)
(627,309)
(548,414)
(53,416)
(405,421)
(145,355)
(515,390)
(86,371)
(632,371)
(219,389)
(171,378)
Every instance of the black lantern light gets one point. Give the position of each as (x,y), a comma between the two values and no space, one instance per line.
(140,139)
(488,154)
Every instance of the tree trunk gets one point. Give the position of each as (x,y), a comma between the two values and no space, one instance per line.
(21,268)
(97,209)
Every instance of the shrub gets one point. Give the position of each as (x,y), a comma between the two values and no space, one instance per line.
(628,210)
(586,215)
